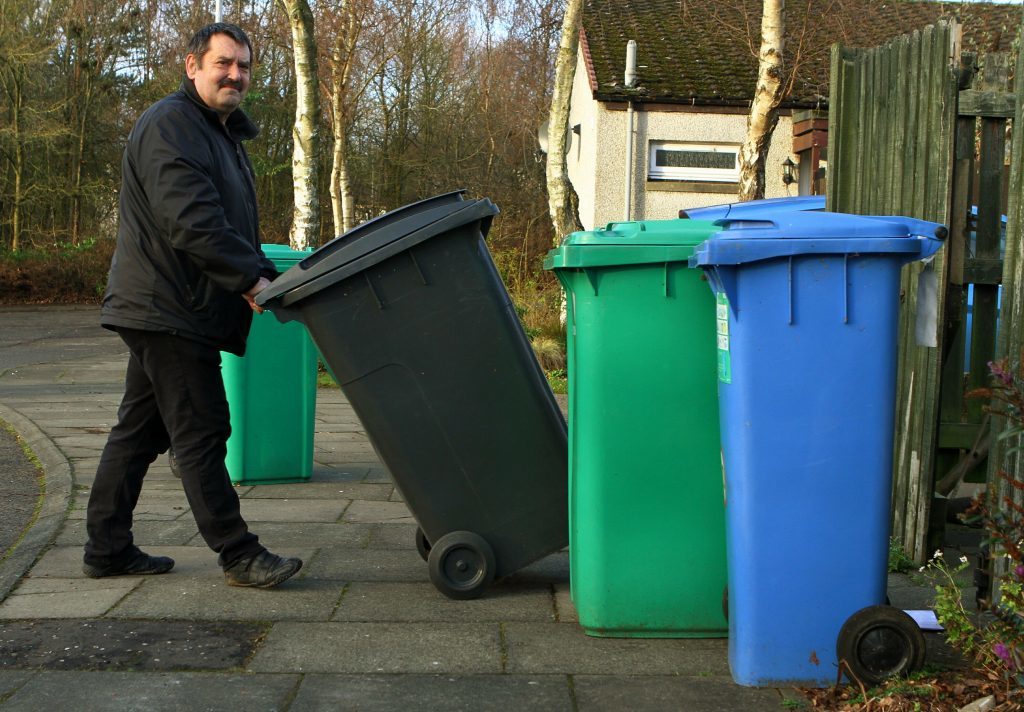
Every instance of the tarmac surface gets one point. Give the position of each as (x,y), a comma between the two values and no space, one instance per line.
(19,489)
(359,628)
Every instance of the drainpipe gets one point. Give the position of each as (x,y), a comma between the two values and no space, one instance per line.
(630,81)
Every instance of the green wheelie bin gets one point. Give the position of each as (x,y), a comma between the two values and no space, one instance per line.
(271,393)
(646,514)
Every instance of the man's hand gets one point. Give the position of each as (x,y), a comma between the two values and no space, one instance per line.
(250,296)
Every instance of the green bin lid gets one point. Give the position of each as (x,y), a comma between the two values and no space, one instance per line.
(631,243)
(283,256)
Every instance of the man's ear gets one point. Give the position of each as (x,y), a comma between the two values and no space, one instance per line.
(191,65)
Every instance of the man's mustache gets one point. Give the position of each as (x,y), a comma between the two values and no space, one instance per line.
(231,83)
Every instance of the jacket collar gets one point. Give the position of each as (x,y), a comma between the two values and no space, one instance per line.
(238,124)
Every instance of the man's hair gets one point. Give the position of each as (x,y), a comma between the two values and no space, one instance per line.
(200,42)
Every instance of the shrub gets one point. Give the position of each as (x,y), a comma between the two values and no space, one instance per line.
(997,647)
(60,274)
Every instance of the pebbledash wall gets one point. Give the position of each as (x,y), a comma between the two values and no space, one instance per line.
(597,155)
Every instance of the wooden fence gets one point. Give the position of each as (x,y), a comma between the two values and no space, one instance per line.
(916,130)
(1010,343)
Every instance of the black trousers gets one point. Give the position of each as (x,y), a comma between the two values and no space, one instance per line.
(174,396)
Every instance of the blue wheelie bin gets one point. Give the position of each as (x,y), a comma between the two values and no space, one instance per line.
(807,314)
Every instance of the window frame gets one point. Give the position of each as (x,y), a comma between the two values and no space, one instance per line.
(692,173)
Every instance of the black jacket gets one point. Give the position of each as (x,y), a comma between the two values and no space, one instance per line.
(188,238)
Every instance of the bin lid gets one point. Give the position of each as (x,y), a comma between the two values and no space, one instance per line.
(764,207)
(374,241)
(752,239)
(283,255)
(625,243)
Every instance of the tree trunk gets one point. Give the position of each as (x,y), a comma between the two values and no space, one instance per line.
(305,230)
(79,161)
(19,158)
(563,203)
(764,111)
(341,189)
(339,169)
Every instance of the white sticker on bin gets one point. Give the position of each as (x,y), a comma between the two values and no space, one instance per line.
(926,326)
(722,326)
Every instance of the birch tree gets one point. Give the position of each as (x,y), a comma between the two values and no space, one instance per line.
(764,110)
(305,230)
(354,59)
(563,203)
(341,72)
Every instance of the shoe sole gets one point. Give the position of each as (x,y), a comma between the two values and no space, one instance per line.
(280,578)
(95,573)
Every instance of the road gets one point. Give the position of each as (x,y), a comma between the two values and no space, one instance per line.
(32,335)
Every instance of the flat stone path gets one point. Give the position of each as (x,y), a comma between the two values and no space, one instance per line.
(361,626)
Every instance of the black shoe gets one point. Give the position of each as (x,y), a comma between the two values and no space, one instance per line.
(263,570)
(142,564)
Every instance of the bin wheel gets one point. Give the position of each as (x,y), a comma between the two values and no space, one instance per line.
(879,642)
(422,545)
(461,565)
(172,460)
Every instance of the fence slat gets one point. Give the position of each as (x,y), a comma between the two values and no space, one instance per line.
(894,156)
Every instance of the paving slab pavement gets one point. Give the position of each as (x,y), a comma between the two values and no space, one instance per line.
(85,644)
(151,692)
(360,627)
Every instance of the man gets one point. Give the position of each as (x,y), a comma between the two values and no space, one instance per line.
(185,272)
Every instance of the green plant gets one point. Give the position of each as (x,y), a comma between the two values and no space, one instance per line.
(324,379)
(961,630)
(899,562)
(550,352)
(998,647)
(558,379)
(59,273)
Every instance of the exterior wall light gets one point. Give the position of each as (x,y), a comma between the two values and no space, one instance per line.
(788,171)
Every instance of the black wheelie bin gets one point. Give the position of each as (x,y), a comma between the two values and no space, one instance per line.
(415,325)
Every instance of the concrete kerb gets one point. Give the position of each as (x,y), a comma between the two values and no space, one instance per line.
(58,483)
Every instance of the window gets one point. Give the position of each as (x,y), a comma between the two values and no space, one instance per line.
(709,162)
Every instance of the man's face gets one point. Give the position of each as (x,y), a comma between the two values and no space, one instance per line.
(221,75)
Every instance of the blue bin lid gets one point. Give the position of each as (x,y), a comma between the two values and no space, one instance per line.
(765,207)
(374,241)
(814,233)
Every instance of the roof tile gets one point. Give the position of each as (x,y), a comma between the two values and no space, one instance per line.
(705,51)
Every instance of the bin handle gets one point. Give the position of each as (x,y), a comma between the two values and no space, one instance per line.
(281,313)
(640,226)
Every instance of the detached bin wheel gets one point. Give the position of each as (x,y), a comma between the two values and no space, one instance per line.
(422,545)
(461,564)
(879,642)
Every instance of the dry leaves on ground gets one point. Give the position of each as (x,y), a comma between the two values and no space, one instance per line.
(939,692)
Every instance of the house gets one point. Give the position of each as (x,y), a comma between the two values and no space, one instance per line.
(695,77)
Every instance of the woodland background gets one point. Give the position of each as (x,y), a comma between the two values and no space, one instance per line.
(430,95)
